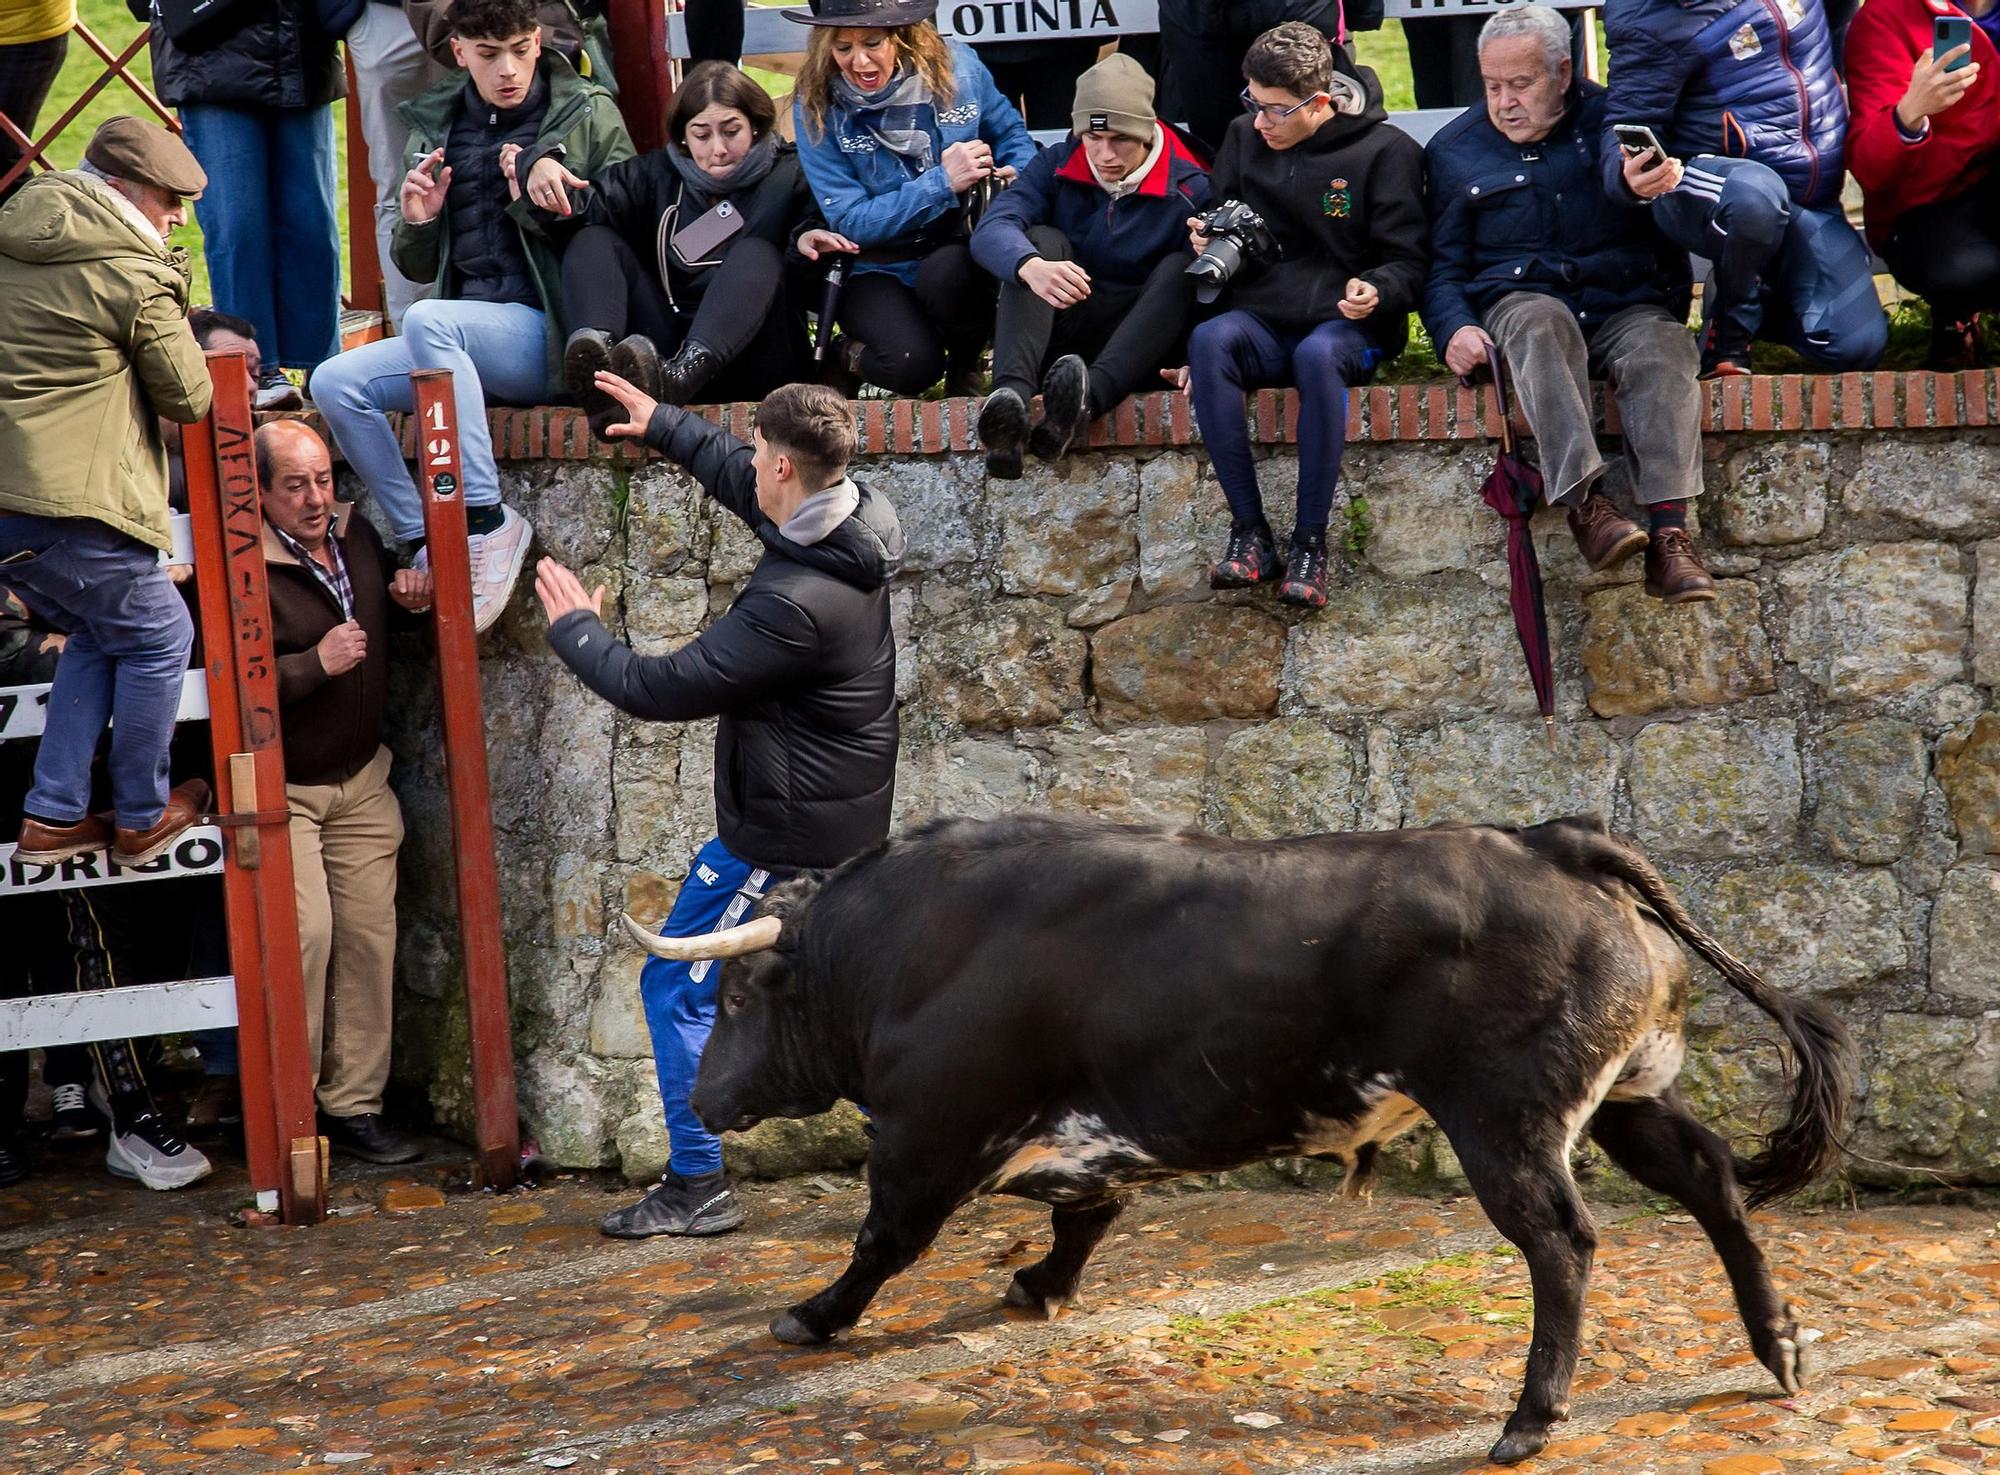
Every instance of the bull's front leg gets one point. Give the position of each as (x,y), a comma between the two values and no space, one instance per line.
(907,1206)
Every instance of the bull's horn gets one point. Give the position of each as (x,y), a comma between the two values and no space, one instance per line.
(730,942)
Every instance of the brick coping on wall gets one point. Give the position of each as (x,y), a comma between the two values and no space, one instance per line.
(1435,411)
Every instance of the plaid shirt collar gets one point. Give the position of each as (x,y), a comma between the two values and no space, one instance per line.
(333,580)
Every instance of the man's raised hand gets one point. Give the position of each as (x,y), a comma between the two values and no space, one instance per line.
(562,592)
(638,406)
(423,195)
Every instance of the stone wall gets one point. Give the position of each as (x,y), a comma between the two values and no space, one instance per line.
(1814,758)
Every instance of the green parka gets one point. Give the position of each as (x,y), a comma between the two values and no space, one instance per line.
(96,347)
(583,119)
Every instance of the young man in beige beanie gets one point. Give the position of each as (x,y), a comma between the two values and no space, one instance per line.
(1090,247)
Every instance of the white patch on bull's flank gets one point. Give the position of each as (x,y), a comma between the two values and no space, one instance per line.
(1651,1067)
(1079,1147)
(1585,1109)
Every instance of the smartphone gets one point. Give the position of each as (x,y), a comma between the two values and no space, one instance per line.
(1639,141)
(705,234)
(1948,33)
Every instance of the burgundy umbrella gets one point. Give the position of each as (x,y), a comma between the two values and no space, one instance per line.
(1512,489)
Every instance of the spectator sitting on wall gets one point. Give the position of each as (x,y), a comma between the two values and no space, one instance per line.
(332,598)
(1567,293)
(683,249)
(1753,123)
(1090,249)
(896,128)
(1342,192)
(494,316)
(97,345)
(1923,140)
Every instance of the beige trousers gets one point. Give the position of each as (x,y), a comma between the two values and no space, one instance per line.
(344,842)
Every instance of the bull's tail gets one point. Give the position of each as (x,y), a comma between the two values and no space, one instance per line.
(1808,1142)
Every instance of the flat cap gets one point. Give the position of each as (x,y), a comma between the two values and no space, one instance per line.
(126,148)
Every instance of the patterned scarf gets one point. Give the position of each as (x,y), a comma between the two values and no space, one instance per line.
(902,115)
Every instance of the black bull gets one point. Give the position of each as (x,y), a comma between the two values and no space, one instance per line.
(1063,1009)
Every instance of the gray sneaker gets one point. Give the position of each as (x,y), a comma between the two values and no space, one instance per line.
(150,1152)
(678,1205)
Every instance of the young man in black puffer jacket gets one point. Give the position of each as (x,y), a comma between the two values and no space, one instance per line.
(802,672)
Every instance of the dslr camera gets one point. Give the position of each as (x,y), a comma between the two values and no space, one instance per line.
(1236,235)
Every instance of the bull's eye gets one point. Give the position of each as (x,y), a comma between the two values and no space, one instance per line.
(733,1003)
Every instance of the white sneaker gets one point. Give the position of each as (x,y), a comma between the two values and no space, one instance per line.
(497,559)
(151,1153)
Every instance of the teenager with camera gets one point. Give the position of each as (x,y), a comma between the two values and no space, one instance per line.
(1318,255)
(900,132)
(1923,90)
(682,252)
(1090,250)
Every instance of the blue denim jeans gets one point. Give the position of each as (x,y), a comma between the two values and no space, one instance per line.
(268,226)
(495,350)
(129,637)
(679,998)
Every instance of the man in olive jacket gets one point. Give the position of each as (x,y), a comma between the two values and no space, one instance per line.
(96,347)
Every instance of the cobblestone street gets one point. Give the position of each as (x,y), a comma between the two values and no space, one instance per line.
(1227,1332)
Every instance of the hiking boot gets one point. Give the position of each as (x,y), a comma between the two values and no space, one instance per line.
(1065,408)
(678,1205)
(496,564)
(72,1120)
(1604,536)
(184,806)
(148,1151)
(1955,347)
(686,374)
(587,354)
(1003,427)
(1673,573)
(13,1165)
(366,1136)
(1305,574)
(217,1105)
(1251,558)
(45,843)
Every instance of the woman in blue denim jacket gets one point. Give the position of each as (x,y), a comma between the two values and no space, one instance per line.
(896,127)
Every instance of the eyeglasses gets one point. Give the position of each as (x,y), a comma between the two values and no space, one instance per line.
(1272,110)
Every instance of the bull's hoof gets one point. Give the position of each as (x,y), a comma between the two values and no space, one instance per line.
(1518,1444)
(790,1327)
(1784,1356)
(1020,1293)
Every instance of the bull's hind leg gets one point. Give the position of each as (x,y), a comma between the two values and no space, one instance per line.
(1531,1198)
(1667,1150)
(1050,1282)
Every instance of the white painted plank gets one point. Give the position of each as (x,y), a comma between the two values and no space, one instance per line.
(198,852)
(24,710)
(117,1013)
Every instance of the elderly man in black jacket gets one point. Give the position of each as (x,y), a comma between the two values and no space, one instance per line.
(802,672)
(1525,254)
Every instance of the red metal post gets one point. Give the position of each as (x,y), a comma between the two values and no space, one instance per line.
(645,71)
(496,1118)
(364,271)
(287,1154)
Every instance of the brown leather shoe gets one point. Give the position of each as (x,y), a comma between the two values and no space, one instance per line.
(184,806)
(1604,536)
(218,1104)
(1673,573)
(47,844)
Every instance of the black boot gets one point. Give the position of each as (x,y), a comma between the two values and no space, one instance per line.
(588,353)
(1252,557)
(687,373)
(368,1137)
(678,1205)
(1065,408)
(965,370)
(635,360)
(1003,426)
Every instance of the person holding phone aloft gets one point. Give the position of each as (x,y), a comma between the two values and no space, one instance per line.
(1923,144)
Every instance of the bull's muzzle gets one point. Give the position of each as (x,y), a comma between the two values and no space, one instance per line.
(730,942)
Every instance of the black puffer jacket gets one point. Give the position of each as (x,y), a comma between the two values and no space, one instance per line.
(263,54)
(801,670)
(489,263)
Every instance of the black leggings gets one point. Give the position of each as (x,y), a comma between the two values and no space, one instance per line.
(27,72)
(714,30)
(906,332)
(1949,254)
(744,316)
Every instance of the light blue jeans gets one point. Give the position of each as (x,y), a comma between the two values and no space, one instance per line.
(495,350)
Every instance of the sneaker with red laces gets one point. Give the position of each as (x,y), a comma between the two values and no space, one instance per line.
(1305,575)
(1251,558)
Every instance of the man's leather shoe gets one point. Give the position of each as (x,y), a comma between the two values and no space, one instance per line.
(368,1137)
(1604,535)
(1673,573)
(46,844)
(184,806)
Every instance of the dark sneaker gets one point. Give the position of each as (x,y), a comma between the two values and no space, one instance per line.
(367,1137)
(149,1151)
(1251,558)
(13,1166)
(72,1120)
(217,1105)
(1955,347)
(45,844)
(1003,428)
(1673,573)
(678,1205)
(276,392)
(587,354)
(1604,535)
(1305,575)
(1065,408)
(1723,355)
(184,806)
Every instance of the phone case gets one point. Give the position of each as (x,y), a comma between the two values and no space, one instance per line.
(701,237)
